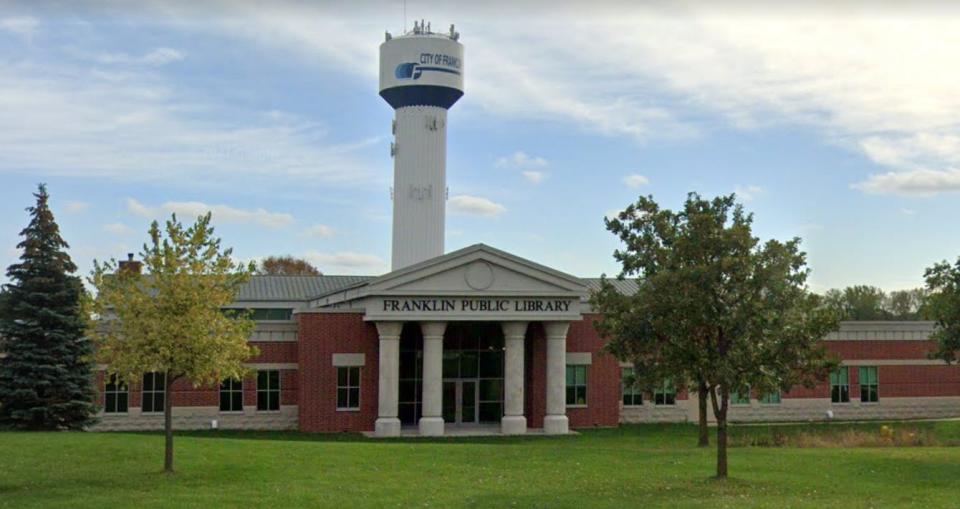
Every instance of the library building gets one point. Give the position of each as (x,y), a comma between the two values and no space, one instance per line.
(479,340)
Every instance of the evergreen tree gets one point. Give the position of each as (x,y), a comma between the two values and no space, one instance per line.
(46,372)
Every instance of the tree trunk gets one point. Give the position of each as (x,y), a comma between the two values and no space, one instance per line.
(720,412)
(704,431)
(168,424)
(722,447)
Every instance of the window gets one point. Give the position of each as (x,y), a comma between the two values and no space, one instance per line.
(772,398)
(231,395)
(153,391)
(268,390)
(632,395)
(840,385)
(348,388)
(115,396)
(740,397)
(665,394)
(869,384)
(576,385)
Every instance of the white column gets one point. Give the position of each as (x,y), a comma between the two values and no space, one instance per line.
(555,422)
(388,424)
(431,421)
(513,421)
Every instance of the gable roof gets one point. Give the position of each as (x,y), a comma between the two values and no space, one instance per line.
(478,251)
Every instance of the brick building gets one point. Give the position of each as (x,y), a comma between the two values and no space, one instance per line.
(497,342)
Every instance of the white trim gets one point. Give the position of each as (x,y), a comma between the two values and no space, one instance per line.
(580,358)
(344,360)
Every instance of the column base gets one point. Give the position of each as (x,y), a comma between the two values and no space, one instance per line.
(431,426)
(387,427)
(556,425)
(513,425)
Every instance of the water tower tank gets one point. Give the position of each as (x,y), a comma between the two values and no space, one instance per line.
(421,77)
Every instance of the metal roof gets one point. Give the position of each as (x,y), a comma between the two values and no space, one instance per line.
(294,288)
(624,286)
(297,288)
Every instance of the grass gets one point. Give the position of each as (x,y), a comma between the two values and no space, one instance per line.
(647,465)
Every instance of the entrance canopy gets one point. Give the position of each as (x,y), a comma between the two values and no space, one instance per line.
(476,283)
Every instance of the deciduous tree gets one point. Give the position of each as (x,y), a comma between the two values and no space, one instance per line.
(286,266)
(45,372)
(169,319)
(714,306)
(943,306)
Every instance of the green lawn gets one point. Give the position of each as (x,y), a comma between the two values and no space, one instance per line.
(650,466)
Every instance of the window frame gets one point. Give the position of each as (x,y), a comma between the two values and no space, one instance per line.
(153,393)
(268,390)
(737,399)
(875,384)
(577,387)
(665,394)
(348,387)
(632,392)
(230,391)
(835,381)
(120,388)
(767,399)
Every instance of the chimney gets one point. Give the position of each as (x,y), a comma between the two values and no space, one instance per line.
(129,265)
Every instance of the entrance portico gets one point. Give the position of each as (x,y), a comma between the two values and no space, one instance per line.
(496,295)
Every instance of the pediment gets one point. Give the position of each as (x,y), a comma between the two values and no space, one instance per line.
(478,270)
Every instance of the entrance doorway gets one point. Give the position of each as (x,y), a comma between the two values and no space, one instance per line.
(472,374)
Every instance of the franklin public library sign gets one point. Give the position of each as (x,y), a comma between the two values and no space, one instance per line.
(478,308)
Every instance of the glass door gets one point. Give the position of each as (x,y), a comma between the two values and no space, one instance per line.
(460,399)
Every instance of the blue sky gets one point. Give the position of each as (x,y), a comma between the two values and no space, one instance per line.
(835,124)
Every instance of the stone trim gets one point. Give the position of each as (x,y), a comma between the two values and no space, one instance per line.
(349,359)
(893,362)
(579,358)
(271,365)
(197,418)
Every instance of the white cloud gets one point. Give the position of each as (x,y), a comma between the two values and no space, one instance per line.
(534,177)
(635,181)
(119,229)
(221,213)
(76,207)
(347,261)
(748,193)
(157,57)
(520,159)
(137,124)
(319,231)
(474,206)
(24,26)
(912,183)
(908,212)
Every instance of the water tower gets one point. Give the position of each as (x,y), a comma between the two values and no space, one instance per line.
(421,76)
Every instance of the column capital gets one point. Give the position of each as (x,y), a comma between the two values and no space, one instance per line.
(514,329)
(433,329)
(389,330)
(556,330)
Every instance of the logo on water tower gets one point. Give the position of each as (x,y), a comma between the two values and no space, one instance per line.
(413,70)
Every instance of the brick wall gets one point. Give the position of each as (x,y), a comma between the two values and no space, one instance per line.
(603,378)
(322,335)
